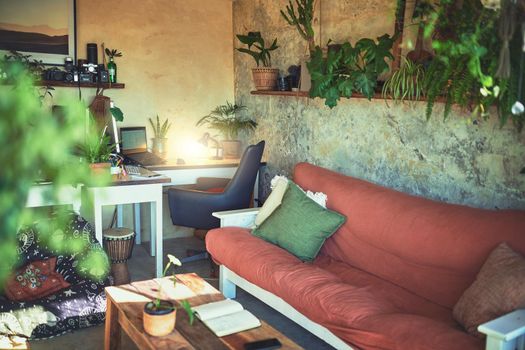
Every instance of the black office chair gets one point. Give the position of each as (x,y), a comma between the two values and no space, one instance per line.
(193,207)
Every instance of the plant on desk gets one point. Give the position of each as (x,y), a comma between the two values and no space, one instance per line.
(227,121)
(159,315)
(160,130)
(97,151)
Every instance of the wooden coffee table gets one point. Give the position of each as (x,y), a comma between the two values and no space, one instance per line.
(124,313)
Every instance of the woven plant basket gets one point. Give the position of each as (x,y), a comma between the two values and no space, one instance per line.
(265,78)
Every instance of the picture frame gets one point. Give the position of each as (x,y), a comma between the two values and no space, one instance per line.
(44,29)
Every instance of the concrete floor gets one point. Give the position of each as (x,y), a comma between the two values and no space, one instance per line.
(141,267)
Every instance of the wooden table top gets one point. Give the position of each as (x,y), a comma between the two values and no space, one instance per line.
(129,299)
(137,180)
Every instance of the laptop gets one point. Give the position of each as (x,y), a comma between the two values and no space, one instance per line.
(134,146)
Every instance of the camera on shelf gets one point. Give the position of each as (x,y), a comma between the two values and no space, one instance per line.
(54,74)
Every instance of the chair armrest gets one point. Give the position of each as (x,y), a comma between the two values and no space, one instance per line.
(505,332)
(240,218)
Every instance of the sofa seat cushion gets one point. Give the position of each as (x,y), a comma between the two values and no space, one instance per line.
(361,309)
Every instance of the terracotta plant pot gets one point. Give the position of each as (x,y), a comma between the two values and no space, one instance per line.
(231,149)
(100,168)
(159,323)
(265,78)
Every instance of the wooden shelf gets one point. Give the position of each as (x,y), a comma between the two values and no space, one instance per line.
(82,85)
(282,93)
(377,95)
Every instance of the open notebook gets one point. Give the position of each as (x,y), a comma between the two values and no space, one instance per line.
(226,317)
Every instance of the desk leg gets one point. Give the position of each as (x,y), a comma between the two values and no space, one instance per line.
(112,332)
(119,215)
(156,231)
(136,215)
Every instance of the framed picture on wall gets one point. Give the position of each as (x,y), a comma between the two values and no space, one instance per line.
(44,29)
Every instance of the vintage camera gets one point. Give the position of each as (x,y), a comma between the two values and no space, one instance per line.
(88,73)
(85,77)
(54,74)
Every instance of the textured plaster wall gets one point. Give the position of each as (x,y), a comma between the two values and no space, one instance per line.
(177,63)
(458,161)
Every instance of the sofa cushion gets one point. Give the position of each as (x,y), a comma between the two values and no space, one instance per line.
(299,224)
(34,281)
(431,248)
(360,308)
(499,289)
(273,201)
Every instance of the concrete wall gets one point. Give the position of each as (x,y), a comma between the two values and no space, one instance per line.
(460,160)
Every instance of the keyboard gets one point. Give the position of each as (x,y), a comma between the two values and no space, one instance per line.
(139,171)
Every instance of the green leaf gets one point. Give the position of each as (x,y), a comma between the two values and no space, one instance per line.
(365,84)
(345,87)
(187,307)
(332,96)
(117,113)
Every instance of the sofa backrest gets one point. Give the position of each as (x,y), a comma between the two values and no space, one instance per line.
(430,248)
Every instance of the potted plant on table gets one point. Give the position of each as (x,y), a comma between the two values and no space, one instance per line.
(160,130)
(159,316)
(225,119)
(264,78)
(97,152)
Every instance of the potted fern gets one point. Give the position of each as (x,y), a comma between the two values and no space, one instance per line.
(160,130)
(265,77)
(225,120)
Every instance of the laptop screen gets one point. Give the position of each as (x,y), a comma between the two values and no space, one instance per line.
(133,139)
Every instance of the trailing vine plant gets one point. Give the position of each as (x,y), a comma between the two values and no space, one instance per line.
(463,71)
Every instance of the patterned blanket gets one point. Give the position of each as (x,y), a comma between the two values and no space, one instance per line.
(81,305)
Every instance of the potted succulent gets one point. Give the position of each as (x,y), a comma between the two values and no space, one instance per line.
(225,120)
(159,316)
(265,77)
(160,131)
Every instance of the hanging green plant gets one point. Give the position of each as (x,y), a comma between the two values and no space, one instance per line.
(463,71)
(348,69)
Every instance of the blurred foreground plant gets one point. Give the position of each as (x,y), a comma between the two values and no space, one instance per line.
(36,145)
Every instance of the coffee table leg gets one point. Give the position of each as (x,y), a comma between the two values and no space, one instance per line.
(112,332)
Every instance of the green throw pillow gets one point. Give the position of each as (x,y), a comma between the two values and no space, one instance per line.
(299,224)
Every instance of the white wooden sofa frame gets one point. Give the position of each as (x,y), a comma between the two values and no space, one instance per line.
(504,333)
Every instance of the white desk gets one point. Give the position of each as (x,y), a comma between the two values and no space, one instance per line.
(132,191)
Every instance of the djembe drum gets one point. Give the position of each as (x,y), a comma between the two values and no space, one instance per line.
(118,244)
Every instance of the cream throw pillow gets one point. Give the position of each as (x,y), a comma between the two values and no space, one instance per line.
(279,186)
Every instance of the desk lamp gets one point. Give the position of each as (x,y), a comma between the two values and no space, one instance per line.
(204,141)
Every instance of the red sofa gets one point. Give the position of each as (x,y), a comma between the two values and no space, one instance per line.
(390,276)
